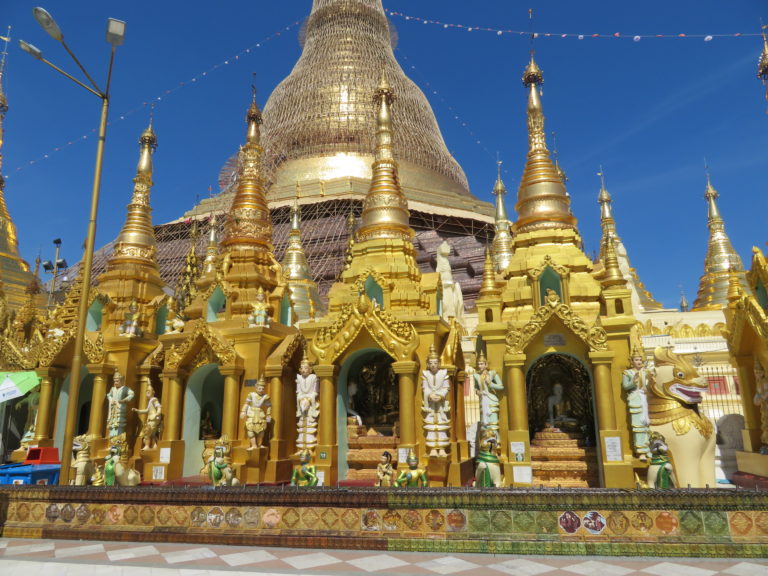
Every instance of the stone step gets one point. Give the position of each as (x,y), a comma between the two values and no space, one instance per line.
(561,454)
(556,442)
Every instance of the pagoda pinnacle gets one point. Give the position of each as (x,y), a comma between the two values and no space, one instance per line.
(502,240)
(304,295)
(607,222)
(721,263)
(212,249)
(489,286)
(385,209)
(542,201)
(248,223)
(137,238)
(762,63)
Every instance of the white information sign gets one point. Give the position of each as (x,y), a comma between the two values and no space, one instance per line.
(165,455)
(522,475)
(613,452)
(517,450)
(320,478)
(158,472)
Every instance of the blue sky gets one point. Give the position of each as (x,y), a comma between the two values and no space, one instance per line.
(648,111)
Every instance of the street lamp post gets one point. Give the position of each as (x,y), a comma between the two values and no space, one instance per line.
(53,267)
(115,37)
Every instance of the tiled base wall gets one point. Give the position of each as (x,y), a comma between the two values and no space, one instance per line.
(701,523)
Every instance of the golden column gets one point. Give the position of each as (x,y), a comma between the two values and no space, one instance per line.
(326,454)
(518,436)
(407,372)
(617,471)
(279,464)
(172,403)
(752,427)
(48,377)
(96,423)
(231,407)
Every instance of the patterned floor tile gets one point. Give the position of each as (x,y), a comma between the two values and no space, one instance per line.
(597,568)
(78,551)
(667,568)
(29,548)
(188,555)
(242,558)
(378,562)
(448,565)
(746,569)
(521,567)
(130,553)
(313,560)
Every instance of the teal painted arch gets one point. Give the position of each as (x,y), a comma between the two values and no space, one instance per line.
(204,391)
(374,291)
(217,303)
(549,279)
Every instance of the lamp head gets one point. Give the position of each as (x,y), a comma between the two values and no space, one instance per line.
(115,32)
(57,242)
(31,50)
(47,22)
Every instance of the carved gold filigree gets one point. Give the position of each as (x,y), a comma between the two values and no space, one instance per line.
(94,350)
(548,262)
(14,358)
(140,252)
(222,352)
(593,336)
(747,312)
(399,339)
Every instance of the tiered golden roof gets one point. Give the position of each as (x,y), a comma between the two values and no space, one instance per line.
(721,261)
(542,201)
(385,209)
(502,239)
(132,272)
(489,287)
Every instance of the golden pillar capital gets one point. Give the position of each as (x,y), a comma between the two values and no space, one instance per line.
(326,371)
(514,360)
(601,356)
(406,367)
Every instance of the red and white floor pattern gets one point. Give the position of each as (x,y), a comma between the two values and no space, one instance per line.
(22,557)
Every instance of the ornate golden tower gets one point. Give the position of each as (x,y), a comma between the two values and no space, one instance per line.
(14,272)
(721,261)
(502,240)
(542,201)
(132,277)
(548,319)
(303,289)
(383,247)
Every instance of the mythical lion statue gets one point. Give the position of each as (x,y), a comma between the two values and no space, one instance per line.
(674,394)
(82,463)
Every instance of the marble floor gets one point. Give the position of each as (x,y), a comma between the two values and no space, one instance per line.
(23,557)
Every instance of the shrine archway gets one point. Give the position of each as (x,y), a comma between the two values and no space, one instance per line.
(367,399)
(203,407)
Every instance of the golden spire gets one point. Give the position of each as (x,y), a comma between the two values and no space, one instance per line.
(489,286)
(542,201)
(607,223)
(186,289)
(721,261)
(502,240)
(560,171)
(385,209)
(248,223)
(762,63)
(683,301)
(212,249)
(136,240)
(612,275)
(304,294)
(15,271)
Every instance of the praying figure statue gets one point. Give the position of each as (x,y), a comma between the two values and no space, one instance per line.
(634,381)
(307,405)
(414,477)
(436,405)
(487,384)
(259,315)
(384,471)
(153,424)
(117,398)
(130,327)
(257,413)
(453,299)
(32,402)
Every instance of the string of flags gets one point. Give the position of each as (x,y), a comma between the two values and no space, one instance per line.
(579,36)
(157,99)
